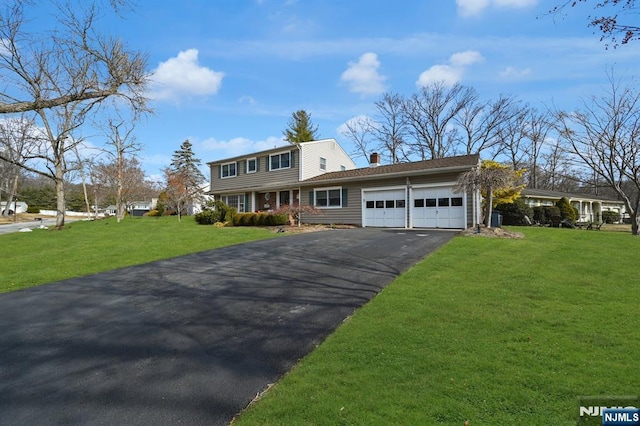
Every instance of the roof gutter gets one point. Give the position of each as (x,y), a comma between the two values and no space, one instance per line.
(392,175)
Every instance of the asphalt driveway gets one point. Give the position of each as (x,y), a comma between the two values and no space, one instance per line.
(189,340)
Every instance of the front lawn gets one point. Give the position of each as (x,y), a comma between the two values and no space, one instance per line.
(496,332)
(83,248)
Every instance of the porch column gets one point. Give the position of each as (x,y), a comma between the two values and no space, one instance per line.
(253,201)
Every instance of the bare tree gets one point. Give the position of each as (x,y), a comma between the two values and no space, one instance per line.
(538,126)
(121,182)
(17,143)
(390,127)
(359,130)
(605,135)
(513,139)
(64,74)
(612,24)
(430,115)
(122,144)
(483,125)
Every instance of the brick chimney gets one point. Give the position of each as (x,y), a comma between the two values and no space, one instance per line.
(374,160)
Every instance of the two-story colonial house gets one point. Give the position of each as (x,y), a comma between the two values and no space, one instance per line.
(419,194)
(266,180)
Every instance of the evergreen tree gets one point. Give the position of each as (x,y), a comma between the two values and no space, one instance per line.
(184,173)
(300,129)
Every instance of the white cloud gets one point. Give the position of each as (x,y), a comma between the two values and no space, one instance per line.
(357,122)
(362,76)
(466,58)
(452,73)
(183,76)
(444,73)
(247,100)
(512,73)
(239,146)
(515,3)
(469,8)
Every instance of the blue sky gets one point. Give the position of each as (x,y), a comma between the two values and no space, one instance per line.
(229,73)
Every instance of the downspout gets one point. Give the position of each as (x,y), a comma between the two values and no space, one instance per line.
(408,219)
(300,206)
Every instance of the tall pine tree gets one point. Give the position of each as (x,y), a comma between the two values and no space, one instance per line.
(300,129)
(184,179)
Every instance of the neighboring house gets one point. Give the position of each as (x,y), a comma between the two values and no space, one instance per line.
(320,174)
(590,207)
(20,207)
(135,208)
(206,197)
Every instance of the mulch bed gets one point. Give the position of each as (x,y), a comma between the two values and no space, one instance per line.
(491,233)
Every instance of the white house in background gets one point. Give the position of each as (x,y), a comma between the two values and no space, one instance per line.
(590,207)
(135,208)
(20,207)
(206,197)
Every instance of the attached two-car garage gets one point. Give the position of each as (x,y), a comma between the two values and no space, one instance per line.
(414,207)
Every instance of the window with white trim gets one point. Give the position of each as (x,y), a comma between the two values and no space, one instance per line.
(228,170)
(236,201)
(323,164)
(252,165)
(280,161)
(328,197)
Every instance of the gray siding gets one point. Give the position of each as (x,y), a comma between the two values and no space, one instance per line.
(352,213)
(262,178)
(349,215)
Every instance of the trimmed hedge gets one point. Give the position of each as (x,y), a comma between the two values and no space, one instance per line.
(547,215)
(610,216)
(208,217)
(259,219)
(514,213)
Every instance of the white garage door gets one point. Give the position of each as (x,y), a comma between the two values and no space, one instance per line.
(437,208)
(385,208)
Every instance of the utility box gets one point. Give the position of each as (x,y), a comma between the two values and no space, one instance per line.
(496,219)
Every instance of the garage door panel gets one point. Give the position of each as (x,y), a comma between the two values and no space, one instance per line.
(437,207)
(385,208)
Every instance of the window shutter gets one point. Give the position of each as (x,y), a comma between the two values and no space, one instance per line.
(220,171)
(237,168)
(311,200)
(293,163)
(246,203)
(257,164)
(344,197)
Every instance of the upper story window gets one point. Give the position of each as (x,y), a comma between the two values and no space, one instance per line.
(228,170)
(252,165)
(323,164)
(280,161)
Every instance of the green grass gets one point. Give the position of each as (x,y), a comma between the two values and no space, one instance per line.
(496,332)
(82,248)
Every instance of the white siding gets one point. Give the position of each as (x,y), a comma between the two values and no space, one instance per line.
(330,149)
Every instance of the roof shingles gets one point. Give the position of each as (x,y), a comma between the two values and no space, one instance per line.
(460,161)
